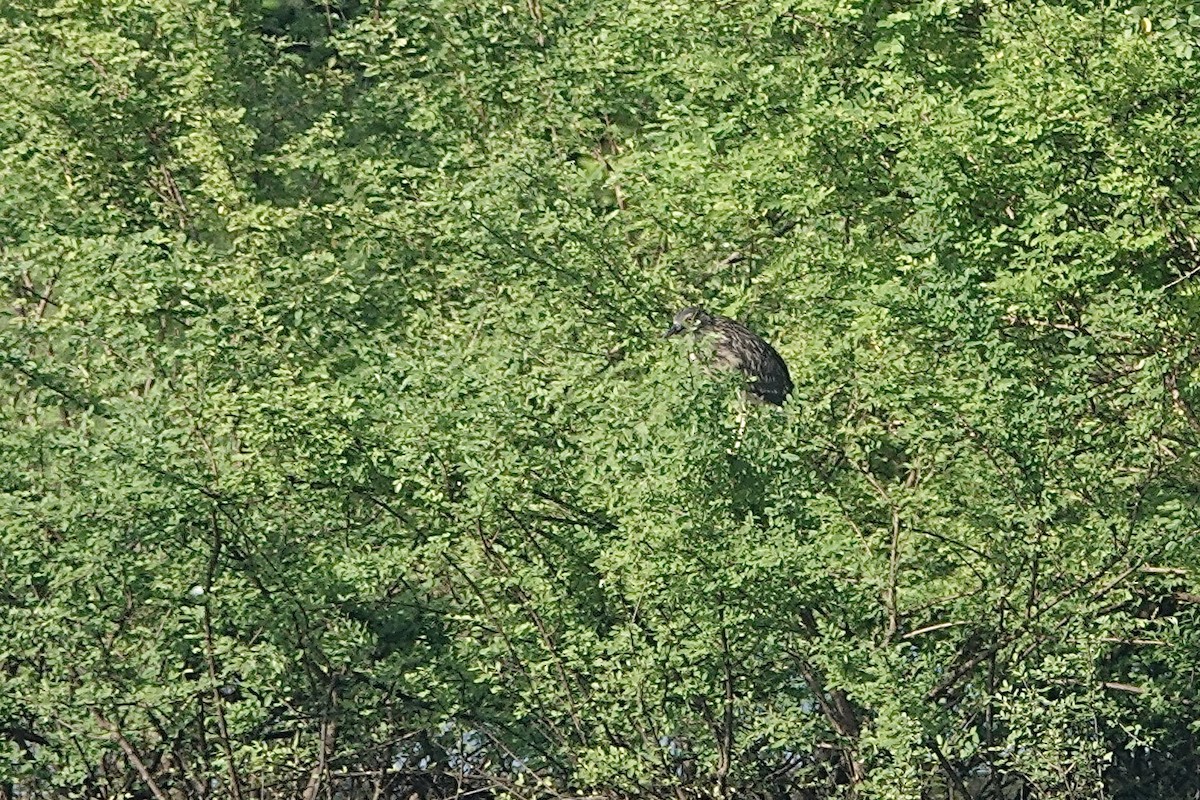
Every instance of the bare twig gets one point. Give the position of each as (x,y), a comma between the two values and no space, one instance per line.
(1149,570)
(1171,381)
(931,628)
(1123,687)
(1182,278)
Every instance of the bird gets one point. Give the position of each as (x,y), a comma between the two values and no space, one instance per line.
(736,347)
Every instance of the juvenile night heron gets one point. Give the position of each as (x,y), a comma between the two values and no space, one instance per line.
(736,347)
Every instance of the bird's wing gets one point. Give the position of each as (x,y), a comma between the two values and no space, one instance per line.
(742,349)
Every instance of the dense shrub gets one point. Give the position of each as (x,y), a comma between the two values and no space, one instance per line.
(342,459)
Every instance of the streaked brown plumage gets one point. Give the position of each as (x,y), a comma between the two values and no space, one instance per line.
(736,347)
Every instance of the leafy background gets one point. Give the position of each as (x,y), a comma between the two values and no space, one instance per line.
(342,458)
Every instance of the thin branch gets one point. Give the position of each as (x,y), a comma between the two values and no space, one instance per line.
(1182,278)
(725,739)
(235,783)
(1171,381)
(931,628)
(326,745)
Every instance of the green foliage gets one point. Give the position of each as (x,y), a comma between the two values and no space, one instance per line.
(342,458)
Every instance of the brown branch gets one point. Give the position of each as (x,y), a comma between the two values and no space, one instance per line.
(486,607)
(951,680)
(25,739)
(168,191)
(44,297)
(214,558)
(1171,381)
(131,754)
(725,739)
(891,600)
(959,785)
(891,593)
(1123,687)
(840,713)
(543,630)
(327,743)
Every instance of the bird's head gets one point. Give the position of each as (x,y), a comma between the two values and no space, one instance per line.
(689,320)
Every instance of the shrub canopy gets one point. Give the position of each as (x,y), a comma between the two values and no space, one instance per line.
(342,459)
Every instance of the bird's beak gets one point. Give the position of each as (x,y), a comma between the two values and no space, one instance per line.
(671,331)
